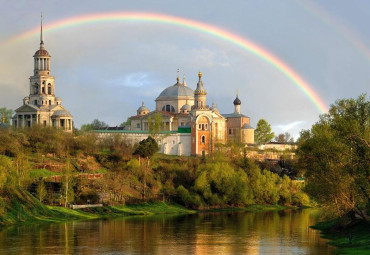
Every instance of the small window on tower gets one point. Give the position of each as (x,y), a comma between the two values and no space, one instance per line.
(203,139)
(43,90)
(49,102)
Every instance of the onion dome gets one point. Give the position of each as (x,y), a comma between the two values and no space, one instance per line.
(237,101)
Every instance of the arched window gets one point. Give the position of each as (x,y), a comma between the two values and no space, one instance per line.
(49,89)
(36,89)
(203,139)
(168,108)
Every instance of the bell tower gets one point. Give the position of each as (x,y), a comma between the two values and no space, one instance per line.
(41,83)
(200,94)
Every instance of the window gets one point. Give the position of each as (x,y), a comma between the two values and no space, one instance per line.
(49,89)
(49,102)
(200,126)
(43,89)
(203,139)
(138,125)
(35,102)
(230,131)
(44,123)
(168,108)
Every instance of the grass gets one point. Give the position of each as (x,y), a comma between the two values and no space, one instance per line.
(37,173)
(20,207)
(339,237)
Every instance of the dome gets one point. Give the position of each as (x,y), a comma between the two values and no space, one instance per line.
(143,109)
(237,101)
(186,107)
(42,52)
(177,90)
(61,113)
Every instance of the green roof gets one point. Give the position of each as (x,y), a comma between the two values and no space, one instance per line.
(132,131)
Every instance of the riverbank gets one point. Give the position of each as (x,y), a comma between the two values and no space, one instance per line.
(339,237)
(22,208)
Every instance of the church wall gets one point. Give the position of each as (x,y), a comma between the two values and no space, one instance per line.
(170,144)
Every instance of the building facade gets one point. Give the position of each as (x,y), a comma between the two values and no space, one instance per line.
(178,108)
(42,107)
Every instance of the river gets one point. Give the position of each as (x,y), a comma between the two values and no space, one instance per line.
(276,232)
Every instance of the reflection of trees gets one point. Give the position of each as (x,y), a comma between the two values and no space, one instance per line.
(205,233)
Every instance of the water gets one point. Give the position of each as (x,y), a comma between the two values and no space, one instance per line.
(284,232)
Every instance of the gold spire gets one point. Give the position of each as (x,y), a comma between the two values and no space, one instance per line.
(200,74)
(237,93)
(3,118)
(41,35)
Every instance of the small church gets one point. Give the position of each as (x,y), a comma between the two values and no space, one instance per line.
(42,107)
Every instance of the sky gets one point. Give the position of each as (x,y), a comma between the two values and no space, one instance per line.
(105,70)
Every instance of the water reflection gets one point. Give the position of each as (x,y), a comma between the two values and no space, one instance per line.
(284,232)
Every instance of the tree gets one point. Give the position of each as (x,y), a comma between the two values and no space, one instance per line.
(146,150)
(94,125)
(284,138)
(263,133)
(335,155)
(155,124)
(6,115)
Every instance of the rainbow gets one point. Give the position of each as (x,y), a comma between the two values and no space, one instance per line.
(339,28)
(217,32)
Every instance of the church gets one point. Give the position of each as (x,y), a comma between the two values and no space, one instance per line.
(42,107)
(183,110)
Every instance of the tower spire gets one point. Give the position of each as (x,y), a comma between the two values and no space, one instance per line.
(183,80)
(178,78)
(41,36)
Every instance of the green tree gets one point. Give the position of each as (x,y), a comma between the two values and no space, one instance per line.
(146,150)
(67,193)
(263,133)
(155,124)
(5,115)
(41,191)
(335,155)
(94,125)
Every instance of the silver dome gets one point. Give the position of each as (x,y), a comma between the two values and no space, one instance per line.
(177,90)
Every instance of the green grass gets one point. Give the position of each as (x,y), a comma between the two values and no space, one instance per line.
(37,173)
(22,208)
(339,237)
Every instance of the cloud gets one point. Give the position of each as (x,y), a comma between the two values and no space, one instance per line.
(132,80)
(289,126)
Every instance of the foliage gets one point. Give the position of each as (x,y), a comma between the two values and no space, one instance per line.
(155,124)
(94,125)
(6,115)
(263,133)
(147,148)
(284,138)
(335,155)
